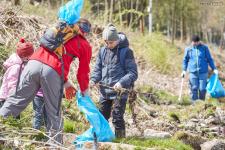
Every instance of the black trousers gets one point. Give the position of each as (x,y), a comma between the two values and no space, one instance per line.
(116,108)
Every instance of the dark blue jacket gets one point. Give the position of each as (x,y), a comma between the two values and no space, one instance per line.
(109,70)
(196,59)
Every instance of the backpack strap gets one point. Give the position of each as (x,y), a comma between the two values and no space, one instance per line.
(69,54)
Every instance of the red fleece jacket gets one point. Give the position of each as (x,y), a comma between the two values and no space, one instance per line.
(77,46)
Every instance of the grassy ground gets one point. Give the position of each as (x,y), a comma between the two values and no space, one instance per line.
(162,96)
(154,49)
(158,52)
(155,143)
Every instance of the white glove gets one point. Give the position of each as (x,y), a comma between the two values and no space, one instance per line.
(215,71)
(183,74)
(117,86)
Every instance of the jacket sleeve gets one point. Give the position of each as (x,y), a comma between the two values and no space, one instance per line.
(210,59)
(84,68)
(96,75)
(131,69)
(12,78)
(185,59)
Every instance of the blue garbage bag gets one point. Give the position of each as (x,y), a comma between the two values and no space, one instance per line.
(70,12)
(214,87)
(99,124)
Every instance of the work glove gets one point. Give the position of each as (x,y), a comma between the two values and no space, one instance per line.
(183,74)
(117,86)
(215,71)
(69,90)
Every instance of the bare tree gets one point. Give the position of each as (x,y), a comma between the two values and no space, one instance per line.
(106,12)
(15,2)
(111,10)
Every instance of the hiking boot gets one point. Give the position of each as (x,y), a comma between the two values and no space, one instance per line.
(120,133)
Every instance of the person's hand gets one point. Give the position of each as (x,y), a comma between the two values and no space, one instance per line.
(183,74)
(70,90)
(117,86)
(216,71)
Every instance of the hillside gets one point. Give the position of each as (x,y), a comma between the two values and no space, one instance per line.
(162,122)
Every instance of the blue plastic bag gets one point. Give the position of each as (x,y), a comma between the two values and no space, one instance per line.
(98,123)
(214,87)
(70,12)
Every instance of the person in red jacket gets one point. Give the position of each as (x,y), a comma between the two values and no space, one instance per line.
(44,70)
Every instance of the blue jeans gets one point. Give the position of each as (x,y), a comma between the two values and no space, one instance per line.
(198,84)
(39,112)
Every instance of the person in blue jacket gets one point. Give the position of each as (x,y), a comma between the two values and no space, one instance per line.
(197,57)
(115,67)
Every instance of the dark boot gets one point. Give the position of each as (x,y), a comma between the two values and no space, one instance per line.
(120,133)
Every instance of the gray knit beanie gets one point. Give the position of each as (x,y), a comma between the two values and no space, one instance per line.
(110,33)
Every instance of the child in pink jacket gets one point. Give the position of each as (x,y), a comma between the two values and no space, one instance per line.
(13,66)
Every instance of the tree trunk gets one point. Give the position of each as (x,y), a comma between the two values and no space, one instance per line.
(150,16)
(111,10)
(31,2)
(168,29)
(222,36)
(142,25)
(182,23)
(120,15)
(131,15)
(173,21)
(127,15)
(106,12)
(62,2)
(15,2)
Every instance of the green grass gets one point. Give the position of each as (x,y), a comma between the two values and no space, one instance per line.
(4,54)
(155,143)
(163,96)
(42,11)
(174,116)
(157,51)
(74,126)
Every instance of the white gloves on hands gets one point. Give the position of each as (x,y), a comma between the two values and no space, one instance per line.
(215,71)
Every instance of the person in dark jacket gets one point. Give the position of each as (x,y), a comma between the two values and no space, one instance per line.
(197,57)
(111,71)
